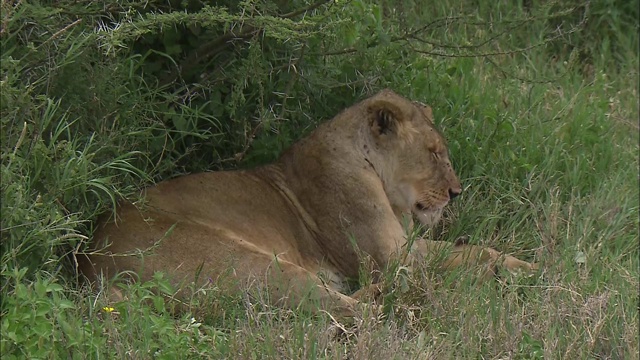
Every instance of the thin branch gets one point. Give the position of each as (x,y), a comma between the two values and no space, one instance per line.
(393,39)
(508,52)
(473,46)
(7,12)
(239,156)
(343,51)
(496,53)
(507,74)
(59,32)
(305,9)
(434,22)
(293,79)
(413,35)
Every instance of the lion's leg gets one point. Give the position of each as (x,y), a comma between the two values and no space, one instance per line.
(292,286)
(368,293)
(456,255)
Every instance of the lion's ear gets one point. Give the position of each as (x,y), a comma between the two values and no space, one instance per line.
(426,110)
(385,117)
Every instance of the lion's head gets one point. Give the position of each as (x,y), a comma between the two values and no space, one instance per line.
(411,158)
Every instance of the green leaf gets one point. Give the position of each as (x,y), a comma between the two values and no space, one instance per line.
(65,304)
(40,288)
(53,287)
(158,303)
(21,292)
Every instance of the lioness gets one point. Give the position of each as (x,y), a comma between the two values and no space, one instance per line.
(306,219)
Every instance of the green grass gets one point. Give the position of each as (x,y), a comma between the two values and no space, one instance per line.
(545,142)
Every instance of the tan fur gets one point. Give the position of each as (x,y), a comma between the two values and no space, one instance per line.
(290,225)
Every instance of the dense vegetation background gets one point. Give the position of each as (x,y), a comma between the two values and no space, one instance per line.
(539,101)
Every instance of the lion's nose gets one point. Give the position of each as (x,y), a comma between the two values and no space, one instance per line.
(453,193)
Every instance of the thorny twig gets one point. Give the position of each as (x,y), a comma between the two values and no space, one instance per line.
(59,32)
(7,12)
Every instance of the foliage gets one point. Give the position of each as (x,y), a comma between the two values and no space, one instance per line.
(538,101)
(65,323)
(605,39)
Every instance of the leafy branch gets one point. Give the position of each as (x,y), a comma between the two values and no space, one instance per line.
(209,49)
